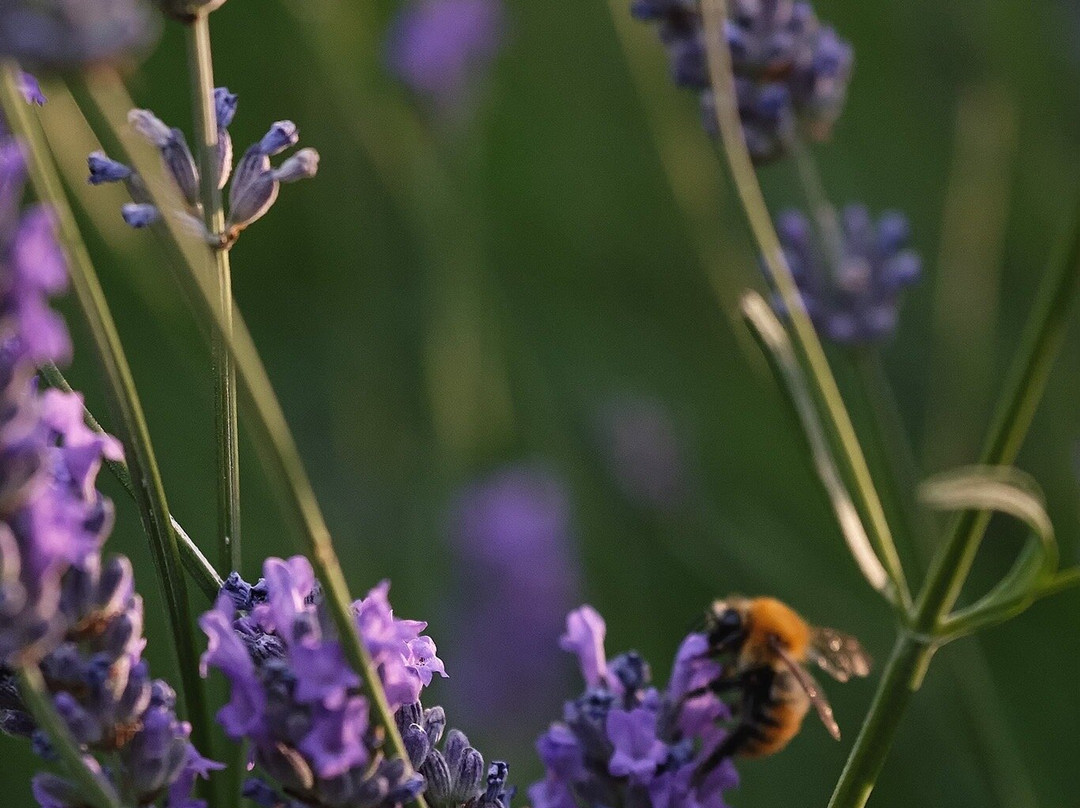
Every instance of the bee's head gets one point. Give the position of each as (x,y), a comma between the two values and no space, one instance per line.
(725,624)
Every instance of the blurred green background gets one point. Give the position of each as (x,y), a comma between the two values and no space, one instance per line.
(445,299)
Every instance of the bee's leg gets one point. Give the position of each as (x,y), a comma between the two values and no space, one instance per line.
(729,747)
(723,684)
(756,688)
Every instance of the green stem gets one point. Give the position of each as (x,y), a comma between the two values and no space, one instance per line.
(201,570)
(153,505)
(201,75)
(270,431)
(835,418)
(899,681)
(35,695)
(1042,341)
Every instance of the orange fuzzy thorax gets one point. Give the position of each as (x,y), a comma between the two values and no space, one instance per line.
(769,617)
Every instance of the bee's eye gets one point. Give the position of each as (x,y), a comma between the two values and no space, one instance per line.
(729,619)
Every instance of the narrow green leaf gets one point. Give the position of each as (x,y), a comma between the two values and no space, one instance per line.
(1009,491)
(770,331)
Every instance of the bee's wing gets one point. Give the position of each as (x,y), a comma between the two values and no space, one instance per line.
(839,655)
(813,690)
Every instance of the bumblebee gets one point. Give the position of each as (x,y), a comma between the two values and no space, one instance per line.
(762,645)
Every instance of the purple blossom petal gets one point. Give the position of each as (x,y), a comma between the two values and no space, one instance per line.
(584,636)
(242,716)
(638,752)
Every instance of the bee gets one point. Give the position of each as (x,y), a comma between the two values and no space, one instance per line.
(763,644)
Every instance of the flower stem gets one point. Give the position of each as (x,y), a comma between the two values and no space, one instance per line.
(201,570)
(92,784)
(153,505)
(835,418)
(201,74)
(269,429)
(1040,346)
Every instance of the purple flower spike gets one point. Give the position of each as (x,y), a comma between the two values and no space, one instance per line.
(62,34)
(295,698)
(439,48)
(584,636)
(624,737)
(857,302)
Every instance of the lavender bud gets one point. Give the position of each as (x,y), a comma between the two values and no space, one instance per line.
(31,90)
(409,714)
(261,794)
(302,165)
(105,169)
(434,724)
(469,777)
(224,110)
(181,165)
(416,743)
(253,192)
(139,215)
(150,126)
(439,780)
(55,792)
(83,726)
(282,134)
(454,748)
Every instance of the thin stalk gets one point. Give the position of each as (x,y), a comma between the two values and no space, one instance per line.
(1041,343)
(198,567)
(92,784)
(821,208)
(835,418)
(201,76)
(270,431)
(153,505)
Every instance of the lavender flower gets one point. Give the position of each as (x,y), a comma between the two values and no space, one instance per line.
(858,301)
(295,698)
(623,742)
(439,48)
(642,451)
(255,183)
(790,71)
(512,536)
(61,34)
(61,606)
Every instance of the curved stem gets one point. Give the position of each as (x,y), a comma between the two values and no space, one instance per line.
(198,567)
(153,505)
(834,415)
(270,431)
(201,73)
(92,784)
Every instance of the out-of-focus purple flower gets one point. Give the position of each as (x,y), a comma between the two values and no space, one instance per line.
(295,698)
(643,452)
(439,48)
(255,183)
(512,539)
(623,742)
(61,34)
(790,71)
(30,89)
(858,301)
